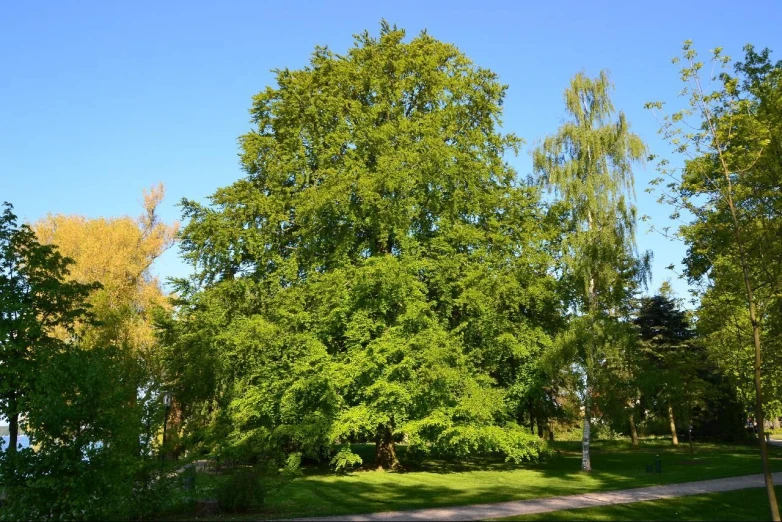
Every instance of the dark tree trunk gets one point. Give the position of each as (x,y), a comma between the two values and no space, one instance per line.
(633,430)
(531,419)
(175,421)
(540,429)
(385,452)
(13,433)
(13,426)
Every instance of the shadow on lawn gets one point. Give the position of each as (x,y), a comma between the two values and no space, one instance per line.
(482,481)
(607,456)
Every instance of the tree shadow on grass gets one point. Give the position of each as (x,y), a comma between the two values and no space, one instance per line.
(481,481)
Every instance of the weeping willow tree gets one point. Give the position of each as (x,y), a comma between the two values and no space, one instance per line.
(588,165)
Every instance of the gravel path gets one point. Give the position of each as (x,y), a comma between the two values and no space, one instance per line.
(543,505)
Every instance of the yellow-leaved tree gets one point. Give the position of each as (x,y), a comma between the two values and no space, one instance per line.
(118,252)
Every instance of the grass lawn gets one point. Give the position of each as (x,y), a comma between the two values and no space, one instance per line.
(440,483)
(746,504)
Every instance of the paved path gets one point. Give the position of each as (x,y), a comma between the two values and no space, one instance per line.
(543,505)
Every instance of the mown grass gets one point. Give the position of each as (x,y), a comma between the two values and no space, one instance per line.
(745,504)
(436,483)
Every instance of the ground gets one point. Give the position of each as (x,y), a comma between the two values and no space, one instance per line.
(441,483)
(747,504)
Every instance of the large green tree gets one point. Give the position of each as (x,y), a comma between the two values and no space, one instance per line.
(379,272)
(730,188)
(588,164)
(90,458)
(36,303)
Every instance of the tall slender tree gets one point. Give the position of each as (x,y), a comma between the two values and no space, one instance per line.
(730,185)
(588,164)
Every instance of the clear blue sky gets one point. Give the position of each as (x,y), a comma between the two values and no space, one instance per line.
(101,99)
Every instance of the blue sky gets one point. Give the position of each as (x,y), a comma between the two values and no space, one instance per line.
(101,99)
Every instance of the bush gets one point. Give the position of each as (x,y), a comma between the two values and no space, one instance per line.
(53,484)
(245,489)
(604,431)
(345,460)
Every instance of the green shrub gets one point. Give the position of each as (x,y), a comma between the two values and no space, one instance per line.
(244,489)
(55,484)
(604,431)
(345,460)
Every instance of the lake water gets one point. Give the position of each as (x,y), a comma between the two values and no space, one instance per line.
(24,441)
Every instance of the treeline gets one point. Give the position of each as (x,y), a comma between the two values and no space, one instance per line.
(381,274)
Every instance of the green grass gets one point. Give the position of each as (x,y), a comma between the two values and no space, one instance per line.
(746,504)
(477,481)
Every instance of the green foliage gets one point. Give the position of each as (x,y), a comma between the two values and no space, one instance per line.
(345,460)
(379,271)
(88,458)
(670,365)
(730,185)
(87,483)
(89,444)
(588,164)
(732,138)
(38,313)
(244,490)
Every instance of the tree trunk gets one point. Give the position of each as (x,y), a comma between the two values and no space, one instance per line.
(633,430)
(772,496)
(674,437)
(13,433)
(775,423)
(586,461)
(540,428)
(13,424)
(175,421)
(385,452)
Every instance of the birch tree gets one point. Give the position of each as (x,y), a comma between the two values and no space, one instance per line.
(588,165)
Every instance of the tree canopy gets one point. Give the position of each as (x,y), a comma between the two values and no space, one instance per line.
(380,270)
